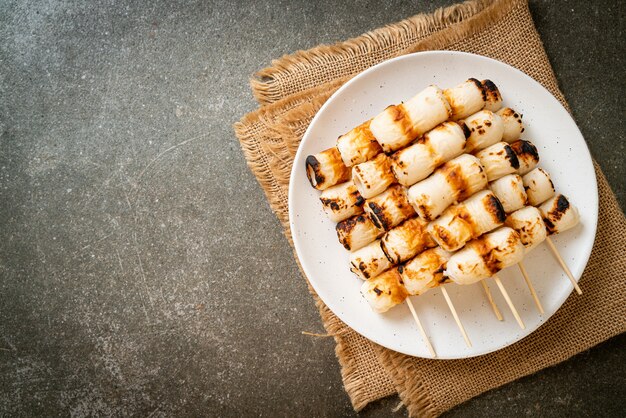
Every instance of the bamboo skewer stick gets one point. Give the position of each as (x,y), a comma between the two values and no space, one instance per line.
(509,302)
(456,317)
(496,311)
(421,328)
(569,274)
(530,286)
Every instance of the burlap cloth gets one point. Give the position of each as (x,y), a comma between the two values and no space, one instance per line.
(293,89)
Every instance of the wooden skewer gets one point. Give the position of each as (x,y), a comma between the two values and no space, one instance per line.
(421,328)
(530,286)
(570,276)
(491,301)
(509,302)
(456,317)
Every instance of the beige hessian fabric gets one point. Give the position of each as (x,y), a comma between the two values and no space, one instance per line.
(292,90)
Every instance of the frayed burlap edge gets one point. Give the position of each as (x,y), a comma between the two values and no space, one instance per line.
(247,130)
(420,404)
(263,120)
(267,84)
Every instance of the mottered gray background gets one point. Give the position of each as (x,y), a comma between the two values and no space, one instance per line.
(141,269)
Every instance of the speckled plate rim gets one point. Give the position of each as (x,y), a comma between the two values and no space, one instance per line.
(325,292)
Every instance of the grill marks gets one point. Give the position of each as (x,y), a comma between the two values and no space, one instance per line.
(457,231)
(453,181)
(426,142)
(490,91)
(529,224)
(378,212)
(338,203)
(425,271)
(494,256)
(467,220)
(562,204)
(511,155)
(366,136)
(358,145)
(363,131)
(372,177)
(446,238)
(354,230)
(466,130)
(488,255)
(494,208)
(313,171)
(559,208)
(508,112)
(425,211)
(525,148)
(455,178)
(348,225)
(418,160)
(398,166)
(518,186)
(526,152)
(480,87)
(389,208)
(549,178)
(406,240)
(389,284)
(538,186)
(401,116)
(326,169)
(369,261)
(464,223)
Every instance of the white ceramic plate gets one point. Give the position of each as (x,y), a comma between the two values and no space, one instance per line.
(563,152)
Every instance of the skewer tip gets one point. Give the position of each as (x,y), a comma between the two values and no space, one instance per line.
(518,318)
(533,292)
(496,311)
(566,269)
(421,329)
(456,317)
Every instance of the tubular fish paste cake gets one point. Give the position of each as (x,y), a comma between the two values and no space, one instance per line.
(406,240)
(369,261)
(510,192)
(418,161)
(454,181)
(374,176)
(529,225)
(559,215)
(385,291)
(485,129)
(342,201)
(358,231)
(539,186)
(389,208)
(467,220)
(425,271)
(358,145)
(527,155)
(485,256)
(498,160)
(398,125)
(326,169)
(513,126)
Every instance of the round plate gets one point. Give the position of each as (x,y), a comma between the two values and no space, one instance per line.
(563,153)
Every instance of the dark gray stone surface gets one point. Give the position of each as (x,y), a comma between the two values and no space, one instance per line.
(141,269)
